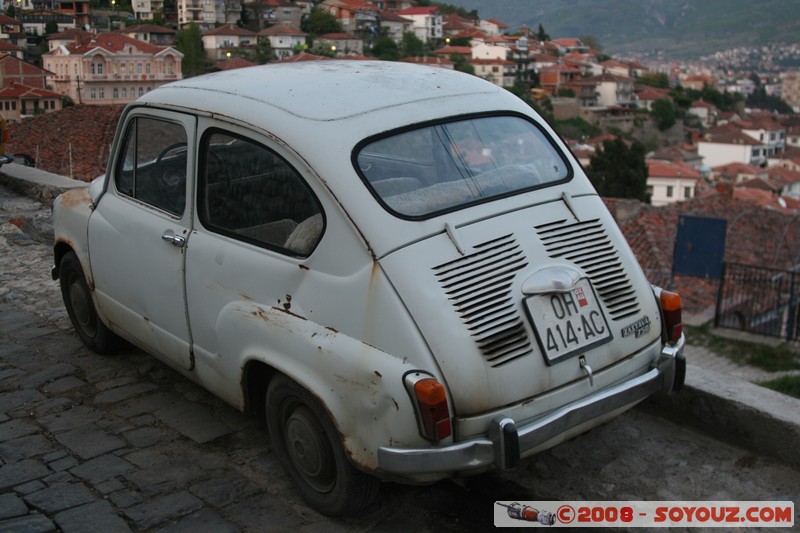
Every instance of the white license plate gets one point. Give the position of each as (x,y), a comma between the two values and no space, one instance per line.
(568,323)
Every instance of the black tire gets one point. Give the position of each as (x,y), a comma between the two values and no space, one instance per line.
(80,307)
(308,445)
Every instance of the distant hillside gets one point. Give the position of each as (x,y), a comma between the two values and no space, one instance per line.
(681,28)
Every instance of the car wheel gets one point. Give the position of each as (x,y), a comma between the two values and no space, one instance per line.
(308,445)
(80,307)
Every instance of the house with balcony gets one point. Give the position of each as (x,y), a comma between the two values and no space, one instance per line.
(729,144)
(341,44)
(281,12)
(427,22)
(147,9)
(501,72)
(706,114)
(394,25)
(76,8)
(203,13)
(35,21)
(151,33)
(284,40)
(18,101)
(357,17)
(613,90)
(108,68)
(671,181)
(228,40)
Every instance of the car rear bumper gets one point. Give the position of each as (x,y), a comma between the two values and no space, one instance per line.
(506,443)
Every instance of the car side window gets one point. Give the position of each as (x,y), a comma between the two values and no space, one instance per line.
(250,193)
(152,168)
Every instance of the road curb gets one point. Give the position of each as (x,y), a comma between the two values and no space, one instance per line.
(37,184)
(736,411)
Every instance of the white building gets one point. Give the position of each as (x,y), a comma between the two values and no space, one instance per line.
(427,22)
(670,182)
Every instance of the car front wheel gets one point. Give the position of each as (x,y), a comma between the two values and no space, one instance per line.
(308,445)
(80,307)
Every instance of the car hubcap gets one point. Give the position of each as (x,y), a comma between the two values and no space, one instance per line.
(82,308)
(309,449)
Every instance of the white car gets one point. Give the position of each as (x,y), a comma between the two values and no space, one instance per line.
(403,267)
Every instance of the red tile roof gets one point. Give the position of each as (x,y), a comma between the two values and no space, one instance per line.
(672,169)
(233,63)
(422,10)
(86,130)
(18,90)
(229,29)
(281,29)
(113,42)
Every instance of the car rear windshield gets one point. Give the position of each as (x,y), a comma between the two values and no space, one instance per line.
(441,167)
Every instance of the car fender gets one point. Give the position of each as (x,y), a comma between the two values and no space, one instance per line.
(71,213)
(360,385)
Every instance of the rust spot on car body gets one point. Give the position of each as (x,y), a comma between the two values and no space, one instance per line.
(76,198)
(378,374)
(288,303)
(331,328)
(282,310)
(303,267)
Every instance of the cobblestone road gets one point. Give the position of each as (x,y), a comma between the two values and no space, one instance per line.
(124,443)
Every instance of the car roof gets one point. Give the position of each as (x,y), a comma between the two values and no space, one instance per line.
(322,90)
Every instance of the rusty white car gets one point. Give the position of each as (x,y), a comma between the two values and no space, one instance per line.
(404,268)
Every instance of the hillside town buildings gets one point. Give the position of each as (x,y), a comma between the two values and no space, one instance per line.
(84,63)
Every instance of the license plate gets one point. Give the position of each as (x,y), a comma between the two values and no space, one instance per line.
(568,323)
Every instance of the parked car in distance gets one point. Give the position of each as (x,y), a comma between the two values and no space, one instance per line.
(403,268)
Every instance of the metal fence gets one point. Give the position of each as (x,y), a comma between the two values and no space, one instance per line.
(759,300)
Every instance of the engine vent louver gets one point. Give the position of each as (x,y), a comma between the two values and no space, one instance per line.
(479,287)
(587,245)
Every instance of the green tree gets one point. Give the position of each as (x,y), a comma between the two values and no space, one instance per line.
(386,49)
(51,27)
(618,171)
(264,52)
(412,45)
(461,64)
(190,44)
(654,79)
(320,22)
(663,111)
(592,42)
(541,35)
(759,99)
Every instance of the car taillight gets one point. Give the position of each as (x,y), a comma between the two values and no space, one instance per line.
(671,307)
(430,404)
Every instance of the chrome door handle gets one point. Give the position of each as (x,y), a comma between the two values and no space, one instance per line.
(174,240)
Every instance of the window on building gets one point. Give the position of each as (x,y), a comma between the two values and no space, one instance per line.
(687,192)
(669,191)
(93,94)
(138,68)
(99,68)
(101,92)
(141,91)
(147,68)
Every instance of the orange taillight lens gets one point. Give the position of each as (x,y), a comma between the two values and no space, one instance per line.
(434,415)
(671,307)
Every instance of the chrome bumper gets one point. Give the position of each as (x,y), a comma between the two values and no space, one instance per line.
(506,442)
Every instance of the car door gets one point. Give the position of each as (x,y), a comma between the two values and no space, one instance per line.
(258,220)
(139,232)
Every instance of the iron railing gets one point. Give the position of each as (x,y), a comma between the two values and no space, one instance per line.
(759,300)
